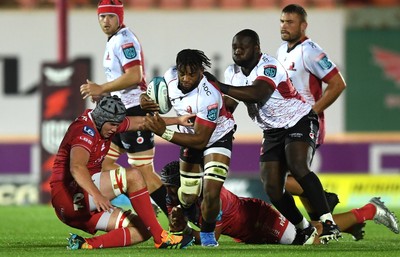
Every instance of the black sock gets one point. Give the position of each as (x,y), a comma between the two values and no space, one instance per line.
(159,197)
(314,192)
(287,207)
(207,226)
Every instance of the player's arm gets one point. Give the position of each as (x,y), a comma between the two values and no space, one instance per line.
(260,91)
(198,140)
(79,157)
(131,77)
(230,103)
(335,87)
(137,122)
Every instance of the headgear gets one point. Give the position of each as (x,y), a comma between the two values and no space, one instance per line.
(109,109)
(112,6)
(170,175)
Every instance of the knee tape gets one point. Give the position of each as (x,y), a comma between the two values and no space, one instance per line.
(123,219)
(216,171)
(190,184)
(118,180)
(113,153)
(140,160)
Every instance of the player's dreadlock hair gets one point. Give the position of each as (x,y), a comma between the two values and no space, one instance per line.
(295,8)
(195,59)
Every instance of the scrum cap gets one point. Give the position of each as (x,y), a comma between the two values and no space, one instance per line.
(112,6)
(170,174)
(109,109)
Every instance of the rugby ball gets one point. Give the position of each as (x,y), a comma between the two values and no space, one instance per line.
(157,90)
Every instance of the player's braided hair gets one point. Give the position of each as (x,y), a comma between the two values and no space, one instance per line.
(170,174)
(295,8)
(193,58)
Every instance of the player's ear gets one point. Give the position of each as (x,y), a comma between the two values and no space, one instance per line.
(304,25)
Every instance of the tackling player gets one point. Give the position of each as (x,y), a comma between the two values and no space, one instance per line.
(123,63)
(253,221)
(206,146)
(81,192)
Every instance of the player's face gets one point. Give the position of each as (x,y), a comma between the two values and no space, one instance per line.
(108,129)
(188,78)
(292,27)
(109,23)
(244,51)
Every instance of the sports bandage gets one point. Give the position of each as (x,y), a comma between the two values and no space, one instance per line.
(168,134)
(216,171)
(140,160)
(190,184)
(113,153)
(123,219)
(118,180)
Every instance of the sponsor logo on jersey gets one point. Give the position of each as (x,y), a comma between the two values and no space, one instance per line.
(270,71)
(140,140)
(125,144)
(85,139)
(212,112)
(291,67)
(129,50)
(88,130)
(324,62)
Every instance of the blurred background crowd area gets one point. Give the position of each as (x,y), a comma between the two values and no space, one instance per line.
(204,4)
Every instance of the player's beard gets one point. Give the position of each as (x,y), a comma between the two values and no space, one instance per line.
(291,37)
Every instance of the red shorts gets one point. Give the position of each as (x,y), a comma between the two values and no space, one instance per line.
(71,204)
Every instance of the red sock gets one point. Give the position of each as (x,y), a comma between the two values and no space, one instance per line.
(367,212)
(141,203)
(115,238)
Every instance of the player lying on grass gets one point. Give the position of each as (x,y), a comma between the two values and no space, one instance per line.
(81,192)
(250,220)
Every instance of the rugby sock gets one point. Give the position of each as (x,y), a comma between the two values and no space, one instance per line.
(140,201)
(159,197)
(115,238)
(367,212)
(287,207)
(314,192)
(207,226)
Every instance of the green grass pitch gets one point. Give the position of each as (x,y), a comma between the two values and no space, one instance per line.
(36,231)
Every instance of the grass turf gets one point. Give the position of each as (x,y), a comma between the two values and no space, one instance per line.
(36,231)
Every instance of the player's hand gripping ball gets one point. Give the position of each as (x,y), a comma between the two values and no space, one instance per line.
(157,90)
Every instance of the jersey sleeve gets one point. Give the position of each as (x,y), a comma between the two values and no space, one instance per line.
(129,52)
(269,72)
(318,62)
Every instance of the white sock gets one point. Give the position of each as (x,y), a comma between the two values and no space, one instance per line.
(327,216)
(303,224)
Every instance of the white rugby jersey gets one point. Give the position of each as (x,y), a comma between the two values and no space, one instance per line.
(205,101)
(308,65)
(285,106)
(123,50)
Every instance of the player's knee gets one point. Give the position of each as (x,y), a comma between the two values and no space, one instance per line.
(118,181)
(216,171)
(140,160)
(190,187)
(124,219)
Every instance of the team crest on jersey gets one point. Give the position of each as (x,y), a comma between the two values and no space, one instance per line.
(212,112)
(324,62)
(88,130)
(129,50)
(270,71)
